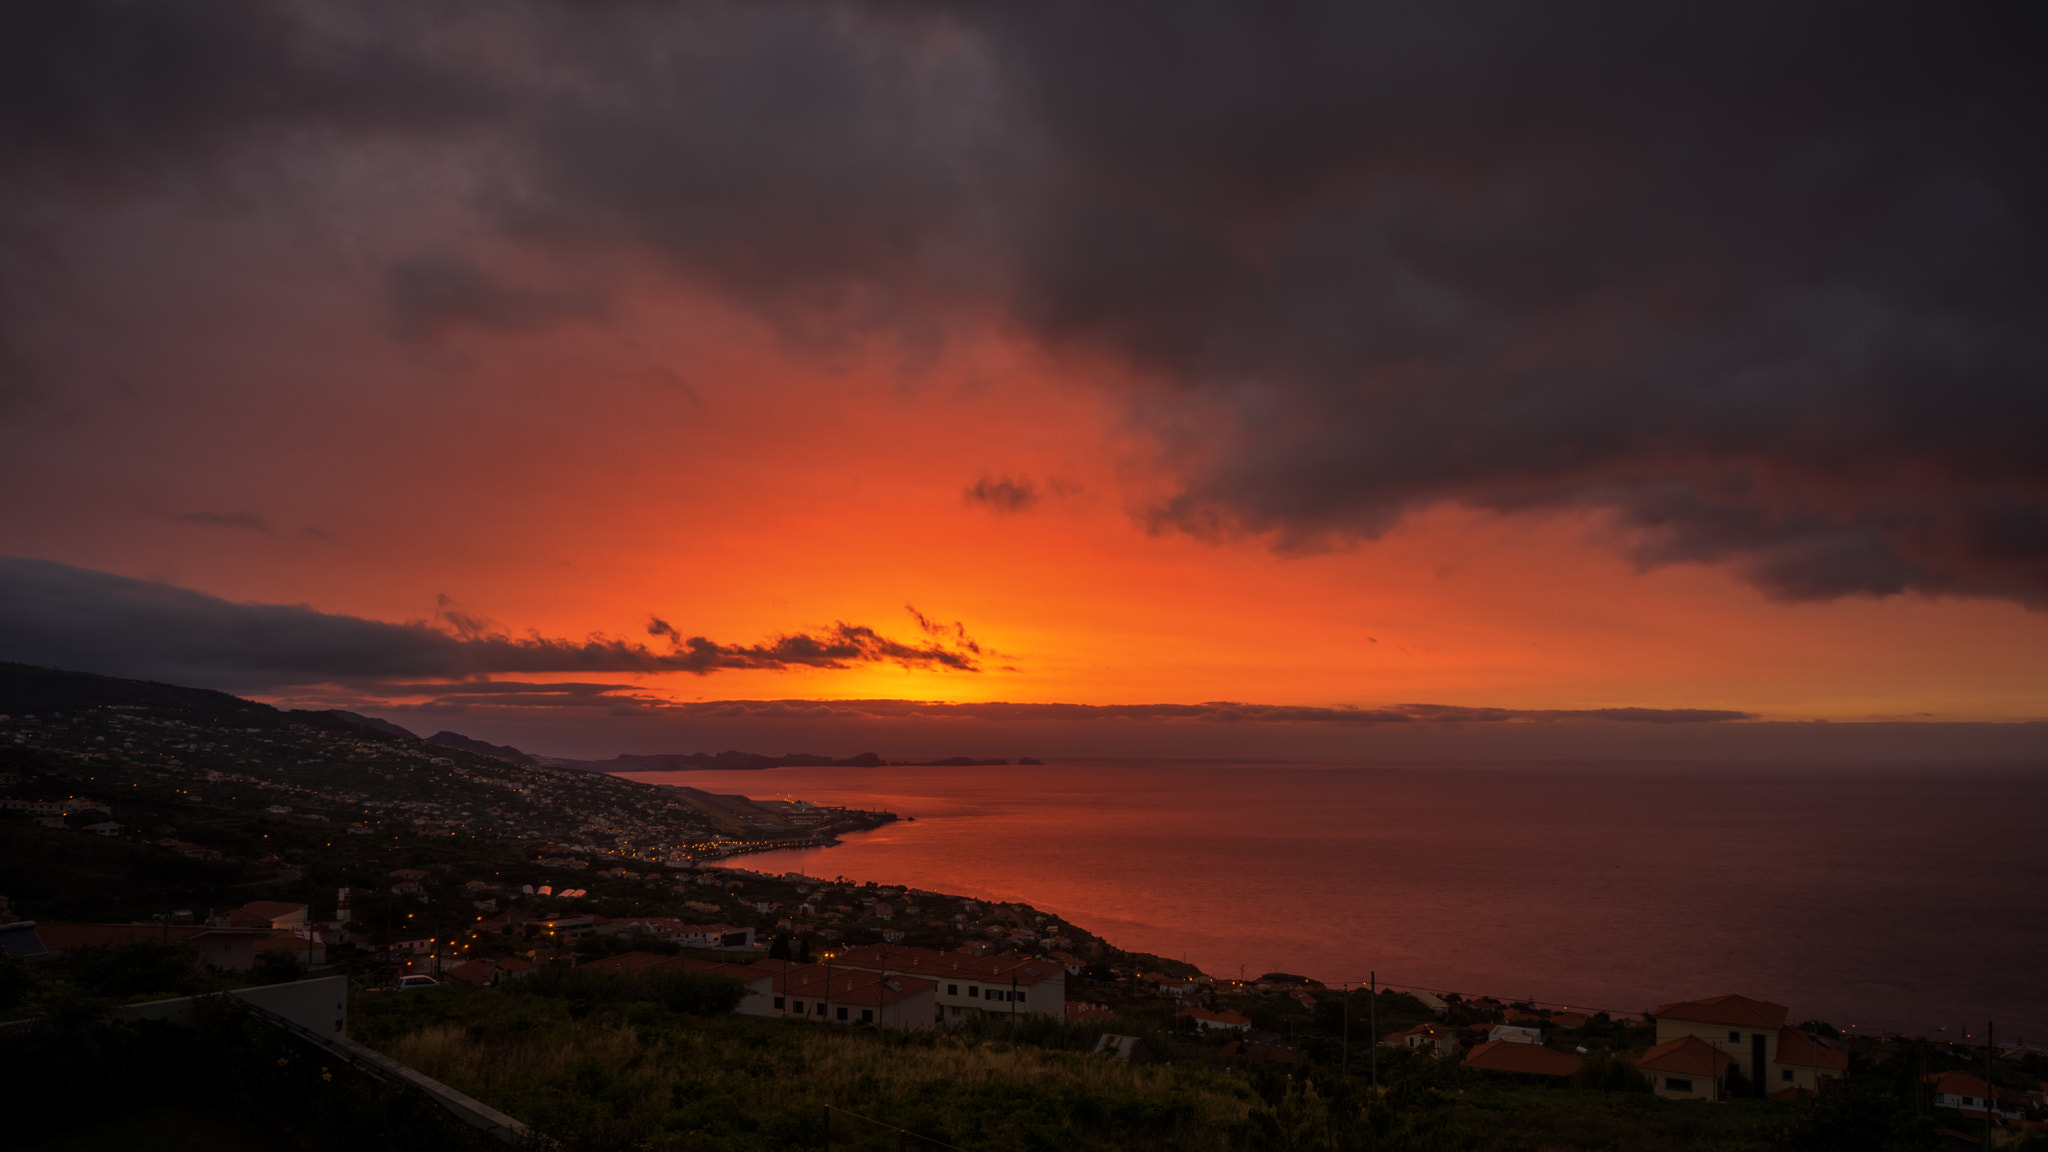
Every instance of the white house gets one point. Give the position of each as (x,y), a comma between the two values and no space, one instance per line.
(971,986)
(1968,1094)
(1224,1021)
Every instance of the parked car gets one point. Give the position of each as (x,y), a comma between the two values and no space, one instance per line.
(408,983)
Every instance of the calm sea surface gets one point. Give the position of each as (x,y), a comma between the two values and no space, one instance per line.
(1875,896)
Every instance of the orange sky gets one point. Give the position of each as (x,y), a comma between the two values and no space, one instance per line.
(678,460)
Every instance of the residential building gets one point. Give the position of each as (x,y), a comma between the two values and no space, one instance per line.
(1430,1000)
(1803,1062)
(1686,1068)
(1224,1021)
(1969,1095)
(104,828)
(231,949)
(971,986)
(1522,1058)
(1745,1029)
(1515,1034)
(837,995)
(713,936)
(1771,1056)
(1435,1038)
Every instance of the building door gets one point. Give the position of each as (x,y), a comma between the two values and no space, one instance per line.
(1756,1064)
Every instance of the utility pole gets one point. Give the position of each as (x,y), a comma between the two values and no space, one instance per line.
(1374,1004)
(1990,1089)
(1347,1031)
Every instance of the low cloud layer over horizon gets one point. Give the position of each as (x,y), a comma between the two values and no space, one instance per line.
(442,673)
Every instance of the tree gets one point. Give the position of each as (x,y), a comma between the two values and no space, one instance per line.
(778,949)
(803,951)
(276,966)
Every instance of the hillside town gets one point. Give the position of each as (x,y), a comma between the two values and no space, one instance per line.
(402,865)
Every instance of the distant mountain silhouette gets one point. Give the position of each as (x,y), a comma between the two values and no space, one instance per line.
(373,724)
(480,747)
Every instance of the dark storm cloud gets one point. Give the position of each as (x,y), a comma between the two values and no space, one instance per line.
(1004,495)
(435,292)
(114,92)
(1765,283)
(59,616)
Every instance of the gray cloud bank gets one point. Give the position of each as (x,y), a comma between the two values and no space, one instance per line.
(57,615)
(1765,283)
(60,616)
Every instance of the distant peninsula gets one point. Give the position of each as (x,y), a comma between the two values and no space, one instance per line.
(727,761)
(734,761)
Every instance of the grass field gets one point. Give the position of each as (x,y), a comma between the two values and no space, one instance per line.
(624,1075)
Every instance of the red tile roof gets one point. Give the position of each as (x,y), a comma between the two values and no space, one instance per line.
(1806,1051)
(1000,969)
(1964,1084)
(848,986)
(1508,1056)
(1732,1010)
(1687,1056)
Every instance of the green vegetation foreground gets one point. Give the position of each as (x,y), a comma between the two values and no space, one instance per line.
(592,1066)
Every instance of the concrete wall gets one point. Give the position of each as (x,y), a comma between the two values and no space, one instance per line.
(317,1005)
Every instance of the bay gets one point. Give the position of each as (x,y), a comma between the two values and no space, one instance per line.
(1909,898)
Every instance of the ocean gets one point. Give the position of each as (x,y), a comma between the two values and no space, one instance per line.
(1874,897)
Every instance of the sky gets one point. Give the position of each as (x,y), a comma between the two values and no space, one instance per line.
(1317,379)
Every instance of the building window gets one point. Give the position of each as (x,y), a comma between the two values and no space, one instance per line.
(1785,1074)
(952,989)
(842,1013)
(1735,1037)
(799,1008)
(867,1015)
(973,990)
(1674,1084)
(778,1003)
(821,1007)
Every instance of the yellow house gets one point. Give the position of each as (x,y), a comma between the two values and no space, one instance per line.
(1803,1062)
(1435,1039)
(1752,1033)
(1685,1068)
(1745,1029)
